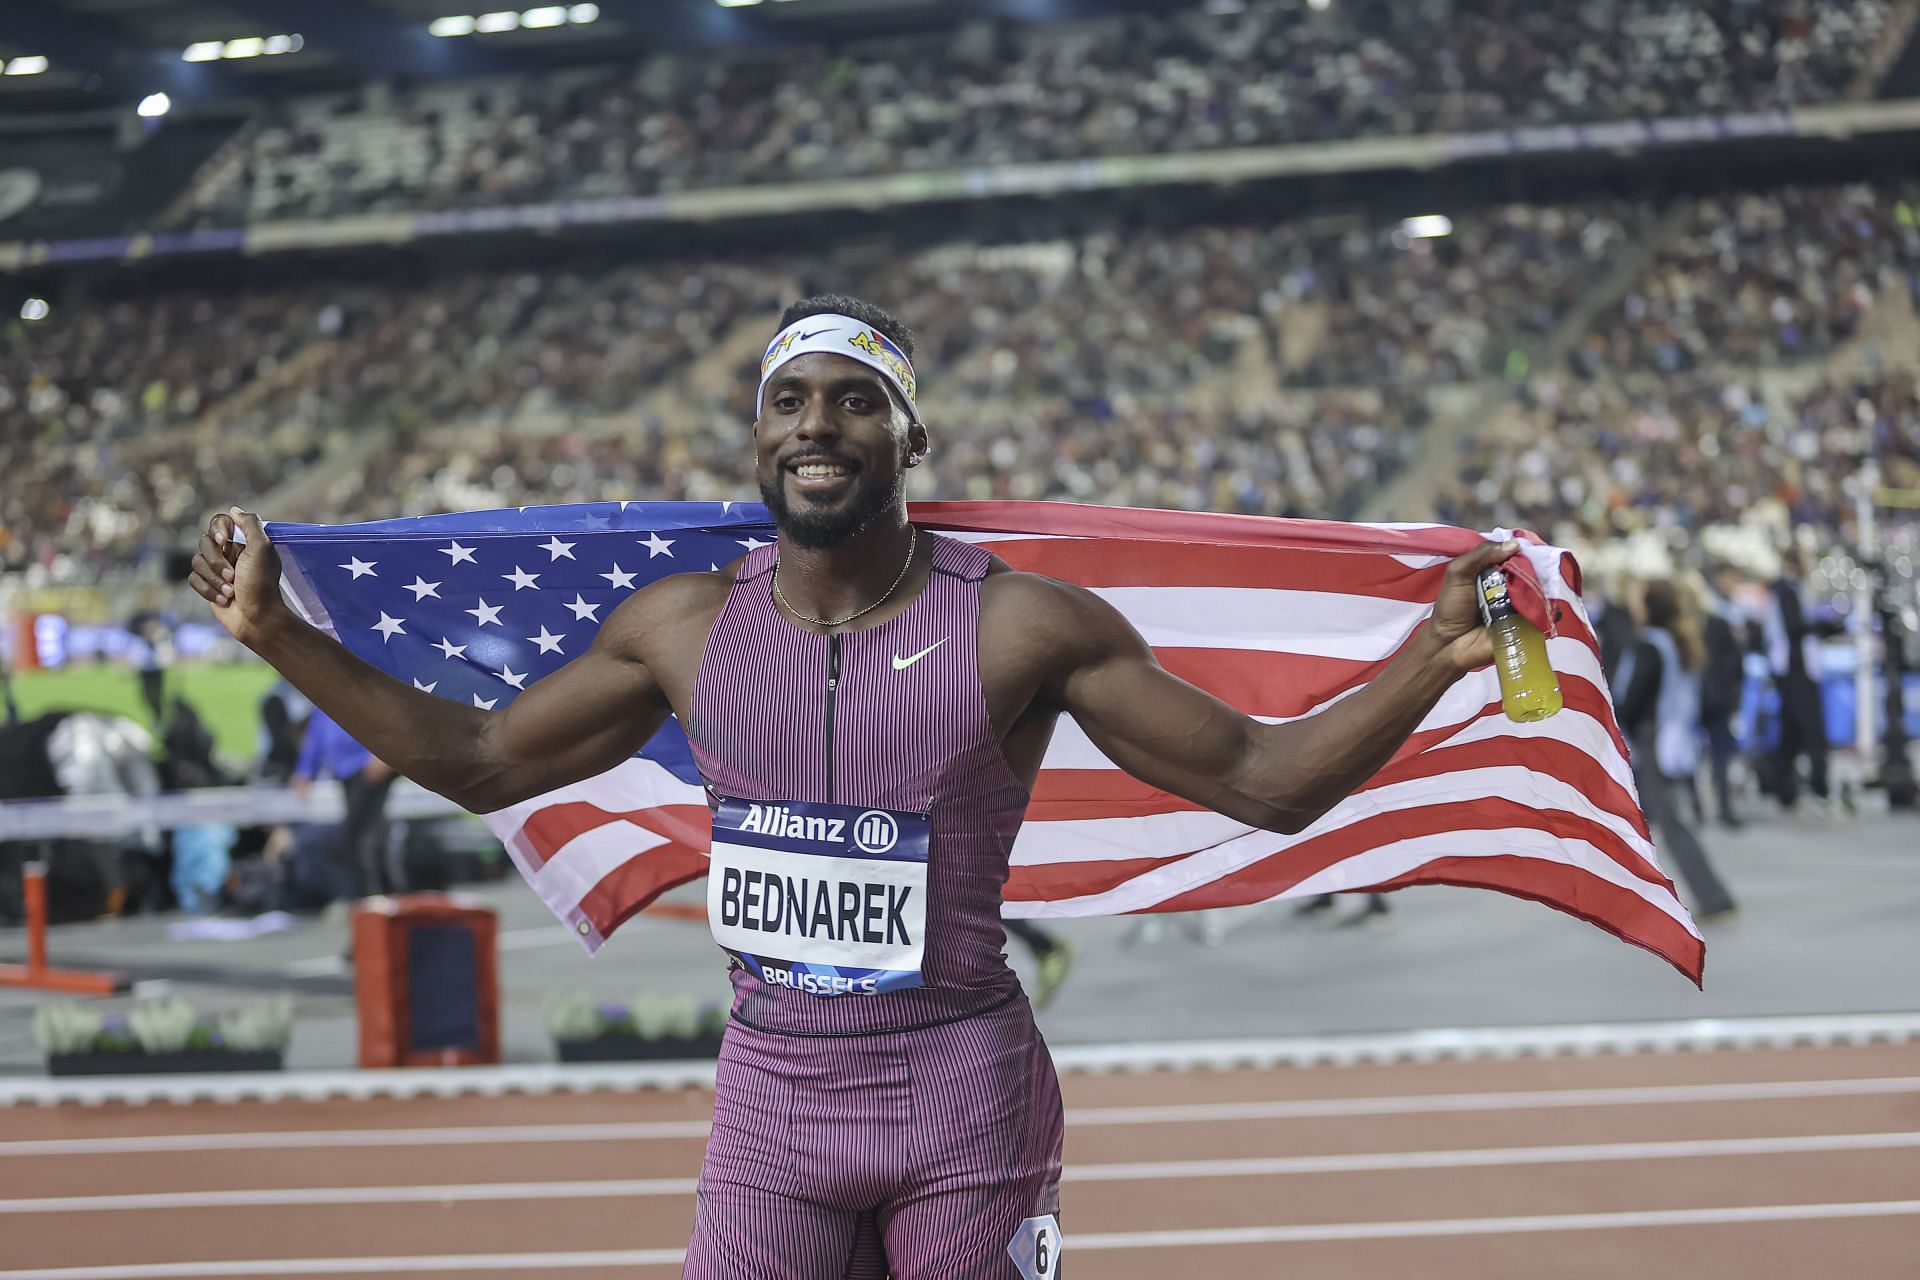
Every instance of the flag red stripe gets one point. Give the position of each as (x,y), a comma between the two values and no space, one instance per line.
(1047,881)
(1109,563)
(1620,912)
(549,830)
(627,890)
(1109,793)
(1212,528)
(1267,684)
(1544,755)
(1273,875)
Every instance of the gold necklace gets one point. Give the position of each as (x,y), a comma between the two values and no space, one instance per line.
(912,541)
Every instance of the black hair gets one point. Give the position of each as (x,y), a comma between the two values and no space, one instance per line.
(865,312)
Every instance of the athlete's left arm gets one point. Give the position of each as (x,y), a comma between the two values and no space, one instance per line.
(1182,739)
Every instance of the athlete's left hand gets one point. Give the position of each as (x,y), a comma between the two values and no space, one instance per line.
(1463,639)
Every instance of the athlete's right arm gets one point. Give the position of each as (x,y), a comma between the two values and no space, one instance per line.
(582,720)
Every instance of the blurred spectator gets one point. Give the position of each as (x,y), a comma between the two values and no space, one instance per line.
(1722,682)
(1793,653)
(360,845)
(284,712)
(153,634)
(1658,701)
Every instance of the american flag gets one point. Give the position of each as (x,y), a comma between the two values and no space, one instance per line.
(1278,617)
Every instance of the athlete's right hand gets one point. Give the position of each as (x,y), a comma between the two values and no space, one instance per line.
(241,582)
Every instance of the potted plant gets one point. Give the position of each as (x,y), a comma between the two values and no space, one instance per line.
(163,1036)
(653,1027)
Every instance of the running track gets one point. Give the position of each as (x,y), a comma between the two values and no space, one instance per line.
(1755,1162)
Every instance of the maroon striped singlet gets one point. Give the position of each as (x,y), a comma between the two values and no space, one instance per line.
(891,717)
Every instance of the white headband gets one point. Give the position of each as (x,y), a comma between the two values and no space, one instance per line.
(841,336)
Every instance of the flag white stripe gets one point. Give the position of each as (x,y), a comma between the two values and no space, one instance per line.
(984,537)
(1320,624)
(632,784)
(1374,866)
(1095,839)
(584,861)
(1072,749)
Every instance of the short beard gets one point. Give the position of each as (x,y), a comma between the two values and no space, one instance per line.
(818,530)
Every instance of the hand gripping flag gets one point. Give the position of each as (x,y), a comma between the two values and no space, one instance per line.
(1277,617)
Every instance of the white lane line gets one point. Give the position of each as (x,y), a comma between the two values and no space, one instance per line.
(1143,1171)
(1484,1157)
(540,1263)
(294,1197)
(291,1139)
(533,939)
(457,1263)
(1195,1113)
(316,967)
(1431,1045)
(1521,1100)
(1472,1226)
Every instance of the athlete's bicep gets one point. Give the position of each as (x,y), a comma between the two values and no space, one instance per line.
(1155,725)
(581,720)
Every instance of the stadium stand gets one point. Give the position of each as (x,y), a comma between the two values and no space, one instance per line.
(1757,277)
(1183,81)
(1062,350)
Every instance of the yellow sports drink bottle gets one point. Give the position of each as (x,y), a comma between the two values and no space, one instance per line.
(1528,688)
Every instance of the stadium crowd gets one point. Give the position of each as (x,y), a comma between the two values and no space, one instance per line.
(1763,278)
(1150,365)
(1266,368)
(1269,72)
(1587,460)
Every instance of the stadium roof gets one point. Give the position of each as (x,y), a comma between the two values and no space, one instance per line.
(79,54)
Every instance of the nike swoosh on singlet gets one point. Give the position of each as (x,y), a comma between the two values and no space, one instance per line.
(901,664)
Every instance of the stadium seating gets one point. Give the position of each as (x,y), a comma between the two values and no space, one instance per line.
(1075,364)
(1273,72)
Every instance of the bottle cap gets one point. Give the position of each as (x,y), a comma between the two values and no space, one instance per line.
(1495,604)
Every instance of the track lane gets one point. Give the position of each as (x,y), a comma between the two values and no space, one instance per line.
(1305,1123)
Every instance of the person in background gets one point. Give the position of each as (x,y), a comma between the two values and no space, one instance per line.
(202,854)
(153,654)
(361,851)
(283,722)
(1375,909)
(1659,706)
(1722,681)
(1794,655)
(1610,607)
(202,857)
(1051,952)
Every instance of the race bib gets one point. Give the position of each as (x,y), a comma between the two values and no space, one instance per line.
(830,899)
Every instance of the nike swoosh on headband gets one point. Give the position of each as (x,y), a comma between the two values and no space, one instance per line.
(901,664)
(842,336)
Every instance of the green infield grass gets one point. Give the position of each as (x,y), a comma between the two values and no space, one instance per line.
(226,695)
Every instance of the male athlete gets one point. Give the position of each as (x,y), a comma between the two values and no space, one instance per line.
(868,705)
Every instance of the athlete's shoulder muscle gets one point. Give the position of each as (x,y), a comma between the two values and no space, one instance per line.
(662,617)
(1043,629)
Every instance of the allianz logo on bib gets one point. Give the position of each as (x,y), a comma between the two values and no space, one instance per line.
(778,820)
(876,832)
(873,831)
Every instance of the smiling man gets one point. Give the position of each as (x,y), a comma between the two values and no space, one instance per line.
(868,706)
